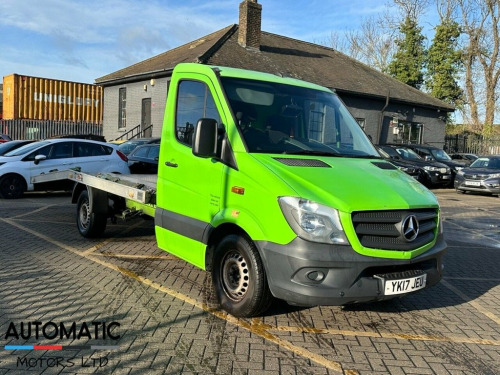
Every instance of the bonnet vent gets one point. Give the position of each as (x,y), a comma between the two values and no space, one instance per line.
(384,165)
(303,162)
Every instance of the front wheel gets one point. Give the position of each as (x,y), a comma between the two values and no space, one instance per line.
(239,277)
(89,223)
(12,186)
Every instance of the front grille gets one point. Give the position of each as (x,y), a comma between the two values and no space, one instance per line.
(384,229)
(479,177)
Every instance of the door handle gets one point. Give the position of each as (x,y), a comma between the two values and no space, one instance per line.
(169,164)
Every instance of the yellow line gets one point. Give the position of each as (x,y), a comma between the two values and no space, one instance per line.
(257,329)
(469,300)
(108,240)
(32,212)
(461,340)
(114,255)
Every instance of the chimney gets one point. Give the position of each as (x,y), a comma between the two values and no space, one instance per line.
(249,27)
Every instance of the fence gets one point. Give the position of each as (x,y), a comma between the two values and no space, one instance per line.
(33,129)
(472,143)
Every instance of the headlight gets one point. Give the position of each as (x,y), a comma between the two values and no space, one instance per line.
(313,221)
(494,175)
(460,172)
(431,168)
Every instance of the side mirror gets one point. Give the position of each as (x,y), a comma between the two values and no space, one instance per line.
(39,158)
(428,158)
(205,138)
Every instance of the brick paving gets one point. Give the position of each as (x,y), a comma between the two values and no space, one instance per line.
(49,273)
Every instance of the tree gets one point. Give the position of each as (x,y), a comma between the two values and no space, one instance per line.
(444,62)
(480,20)
(408,63)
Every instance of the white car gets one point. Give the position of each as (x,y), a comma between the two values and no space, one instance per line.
(18,166)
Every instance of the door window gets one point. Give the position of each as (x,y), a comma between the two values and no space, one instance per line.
(194,101)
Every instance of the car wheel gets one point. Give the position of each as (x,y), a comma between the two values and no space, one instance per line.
(89,223)
(12,186)
(460,191)
(239,277)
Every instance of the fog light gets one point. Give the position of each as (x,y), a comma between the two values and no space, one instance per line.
(315,276)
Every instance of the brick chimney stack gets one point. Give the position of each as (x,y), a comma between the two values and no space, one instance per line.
(250,21)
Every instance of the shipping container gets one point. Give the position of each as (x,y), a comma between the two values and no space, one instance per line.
(35,98)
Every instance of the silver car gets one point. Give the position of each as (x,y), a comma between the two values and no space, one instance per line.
(483,175)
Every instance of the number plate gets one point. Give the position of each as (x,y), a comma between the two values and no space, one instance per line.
(401,286)
(472,183)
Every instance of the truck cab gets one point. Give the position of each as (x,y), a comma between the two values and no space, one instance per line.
(271,185)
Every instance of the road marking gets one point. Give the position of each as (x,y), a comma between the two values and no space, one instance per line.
(32,212)
(385,335)
(332,365)
(469,300)
(115,255)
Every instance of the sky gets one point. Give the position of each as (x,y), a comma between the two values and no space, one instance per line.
(81,40)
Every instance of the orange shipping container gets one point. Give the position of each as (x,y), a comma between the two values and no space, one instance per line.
(36,98)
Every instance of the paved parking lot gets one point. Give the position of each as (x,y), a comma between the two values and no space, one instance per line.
(119,305)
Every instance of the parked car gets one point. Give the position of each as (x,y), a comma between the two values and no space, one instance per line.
(406,166)
(12,145)
(483,175)
(18,166)
(128,146)
(465,158)
(434,174)
(144,159)
(432,153)
(5,138)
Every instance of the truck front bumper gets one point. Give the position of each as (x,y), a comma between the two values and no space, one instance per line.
(309,274)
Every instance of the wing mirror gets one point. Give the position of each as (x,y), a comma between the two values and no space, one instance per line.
(205,138)
(39,158)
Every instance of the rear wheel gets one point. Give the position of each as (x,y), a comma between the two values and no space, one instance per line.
(12,186)
(88,222)
(239,277)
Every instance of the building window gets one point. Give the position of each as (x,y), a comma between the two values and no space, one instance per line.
(408,132)
(194,101)
(361,122)
(122,108)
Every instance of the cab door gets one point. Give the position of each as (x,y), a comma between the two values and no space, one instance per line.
(189,187)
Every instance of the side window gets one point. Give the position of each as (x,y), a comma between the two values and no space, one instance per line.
(62,150)
(91,149)
(141,152)
(154,152)
(194,101)
(42,151)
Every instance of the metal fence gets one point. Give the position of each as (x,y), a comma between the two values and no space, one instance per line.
(472,143)
(33,129)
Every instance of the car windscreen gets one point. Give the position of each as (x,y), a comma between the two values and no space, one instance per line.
(440,155)
(288,119)
(27,148)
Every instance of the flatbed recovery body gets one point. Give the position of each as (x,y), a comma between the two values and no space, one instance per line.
(270,184)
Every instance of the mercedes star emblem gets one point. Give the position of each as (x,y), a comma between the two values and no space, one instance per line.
(409,228)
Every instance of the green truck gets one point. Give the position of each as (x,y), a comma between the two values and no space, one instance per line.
(271,185)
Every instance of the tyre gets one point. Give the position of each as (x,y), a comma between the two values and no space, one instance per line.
(460,191)
(89,223)
(12,186)
(239,277)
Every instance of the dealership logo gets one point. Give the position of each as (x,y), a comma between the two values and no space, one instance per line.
(58,331)
(409,228)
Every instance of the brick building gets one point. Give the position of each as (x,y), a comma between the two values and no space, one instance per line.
(388,110)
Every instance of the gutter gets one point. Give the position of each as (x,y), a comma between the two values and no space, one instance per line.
(381,117)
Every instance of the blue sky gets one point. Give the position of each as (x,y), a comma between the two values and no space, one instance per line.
(79,40)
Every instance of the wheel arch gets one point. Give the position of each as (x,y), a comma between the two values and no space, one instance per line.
(215,237)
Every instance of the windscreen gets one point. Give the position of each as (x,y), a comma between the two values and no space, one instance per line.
(286,119)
